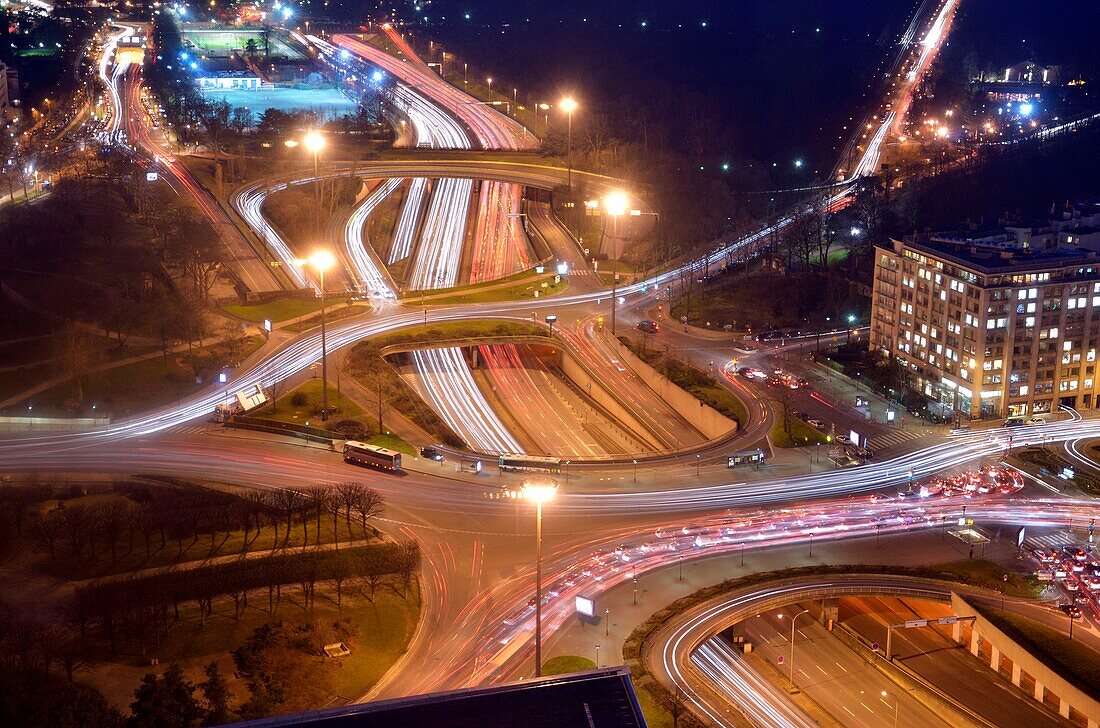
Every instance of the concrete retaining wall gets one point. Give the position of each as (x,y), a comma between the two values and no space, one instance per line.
(1069,696)
(605,398)
(707,420)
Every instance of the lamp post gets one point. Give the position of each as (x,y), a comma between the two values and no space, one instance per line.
(851,321)
(606,622)
(314,143)
(550,320)
(490,80)
(597,654)
(321,261)
(897,701)
(615,205)
(635,471)
(539,490)
(793,620)
(569,105)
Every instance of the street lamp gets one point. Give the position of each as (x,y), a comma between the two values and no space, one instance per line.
(851,322)
(569,105)
(615,205)
(793,620)
(539,490)
(314,143)
(321,261)
(550,320)
(897,701)
(490,80)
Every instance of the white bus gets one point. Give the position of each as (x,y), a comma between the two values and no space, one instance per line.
(529,464)
(360,453)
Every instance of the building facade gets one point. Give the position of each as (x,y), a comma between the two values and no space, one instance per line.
(991,326)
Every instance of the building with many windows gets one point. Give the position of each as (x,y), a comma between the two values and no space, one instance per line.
(994,324)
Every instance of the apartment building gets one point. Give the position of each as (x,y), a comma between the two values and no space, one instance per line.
(993,324)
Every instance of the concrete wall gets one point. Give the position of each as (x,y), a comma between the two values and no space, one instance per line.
(702,417)
(1046,679)
(605,398)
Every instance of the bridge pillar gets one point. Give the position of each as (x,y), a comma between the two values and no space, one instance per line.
(830,611)
(1063,707)
(975,642)
(1017,674)
(1040,691)
(994,658)
(957,632)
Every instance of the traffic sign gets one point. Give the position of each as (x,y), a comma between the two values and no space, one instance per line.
(779,659)
(874,646)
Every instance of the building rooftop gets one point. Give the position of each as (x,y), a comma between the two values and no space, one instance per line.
(601,698)
(998,254)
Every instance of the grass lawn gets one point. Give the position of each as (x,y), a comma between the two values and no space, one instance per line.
(776,301)
(801,434)
(655,715)
(989,575)
(458,330)
(1071,659)
(564,664)
(380,635)
(147,383)
(308,412)
(281,309)
(302,406)
(493,295)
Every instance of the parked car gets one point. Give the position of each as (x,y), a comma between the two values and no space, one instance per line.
(816,424)
(431,453)
(1015,422)
(648,326)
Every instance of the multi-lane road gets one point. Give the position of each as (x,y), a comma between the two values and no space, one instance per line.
(477,621)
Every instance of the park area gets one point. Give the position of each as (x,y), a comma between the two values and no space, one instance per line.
(219,43)
(328,102)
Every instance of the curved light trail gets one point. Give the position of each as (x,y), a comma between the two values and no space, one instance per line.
(449,385)
(408,221)
(439,255)
(366,270)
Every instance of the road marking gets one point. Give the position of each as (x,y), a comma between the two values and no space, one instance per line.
(848,711)
(822,671)
(842,668)
(868,708)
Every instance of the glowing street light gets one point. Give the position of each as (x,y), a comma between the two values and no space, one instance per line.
(569,105)
(539,491)
(616,204)
(314,143)
(321,261)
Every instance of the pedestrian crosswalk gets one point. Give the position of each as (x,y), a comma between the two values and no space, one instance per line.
(197,428)
(1051,540)
(892,439)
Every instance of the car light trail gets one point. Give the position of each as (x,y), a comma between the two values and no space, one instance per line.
(448,383)
(440,252)
(366,269)
(408,221)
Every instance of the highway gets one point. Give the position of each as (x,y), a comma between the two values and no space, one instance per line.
(444,379)
(931,653)
(477,578)
(368,270)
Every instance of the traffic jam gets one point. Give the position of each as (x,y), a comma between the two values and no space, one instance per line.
(1075,572)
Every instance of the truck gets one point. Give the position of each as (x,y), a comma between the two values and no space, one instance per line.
(243,401)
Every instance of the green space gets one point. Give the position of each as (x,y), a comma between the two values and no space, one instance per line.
(768,301)
(302,406)
(435,332)
(486,293)
(704,387)
(280,309)
(988,575)
(148,383)
(564,664)
(328,102)
(790,431)
(1072,659)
